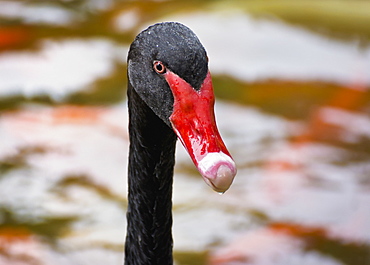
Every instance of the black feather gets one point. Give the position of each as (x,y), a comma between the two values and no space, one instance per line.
(152,140)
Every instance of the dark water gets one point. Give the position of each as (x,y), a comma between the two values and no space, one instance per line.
(292,81)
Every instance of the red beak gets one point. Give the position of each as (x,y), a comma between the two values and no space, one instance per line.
(194,122)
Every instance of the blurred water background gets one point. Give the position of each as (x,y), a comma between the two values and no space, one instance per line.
(292,81)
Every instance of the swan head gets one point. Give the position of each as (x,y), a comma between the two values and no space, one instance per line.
(168,68)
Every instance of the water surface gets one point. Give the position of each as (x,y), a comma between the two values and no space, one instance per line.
(293,108)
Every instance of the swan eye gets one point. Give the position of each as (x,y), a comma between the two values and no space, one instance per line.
(159,67)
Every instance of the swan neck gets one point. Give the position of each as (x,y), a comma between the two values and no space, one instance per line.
(150,178)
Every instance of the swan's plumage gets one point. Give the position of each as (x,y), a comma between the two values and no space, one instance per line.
(160,110)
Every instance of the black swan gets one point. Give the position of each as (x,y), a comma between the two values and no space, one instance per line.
(170,96)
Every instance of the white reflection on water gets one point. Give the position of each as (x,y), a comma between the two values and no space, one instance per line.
(88,144)
(59,68)
(355,125)
(36,14)
(268,248)
(127,20)
(256,49)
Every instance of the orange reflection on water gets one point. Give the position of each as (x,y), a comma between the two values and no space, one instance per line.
(318,127)
(63,114)
(19,246)
(76,114)
(256,247)
(347,98)
(10,37)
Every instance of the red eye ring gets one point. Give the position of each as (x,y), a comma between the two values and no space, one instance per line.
(159,67)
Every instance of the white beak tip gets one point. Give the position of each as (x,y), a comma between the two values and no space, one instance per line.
(218,171)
